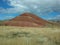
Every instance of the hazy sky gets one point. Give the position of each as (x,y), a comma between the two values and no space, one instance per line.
(46,9)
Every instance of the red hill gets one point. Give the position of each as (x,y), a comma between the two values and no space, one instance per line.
(27,20)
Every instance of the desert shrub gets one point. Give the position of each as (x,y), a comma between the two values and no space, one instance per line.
(57,42)
(44,40)
(1,36)
(15,34)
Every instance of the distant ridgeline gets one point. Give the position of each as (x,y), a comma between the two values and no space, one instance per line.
(56,21)
(2,21)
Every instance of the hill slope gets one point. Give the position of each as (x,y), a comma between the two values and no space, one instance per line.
(27,20)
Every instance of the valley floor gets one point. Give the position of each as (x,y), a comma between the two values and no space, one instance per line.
(10,35)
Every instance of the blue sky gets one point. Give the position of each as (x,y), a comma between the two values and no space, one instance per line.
(46,9)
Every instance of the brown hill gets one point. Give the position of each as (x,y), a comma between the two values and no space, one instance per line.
(27,20)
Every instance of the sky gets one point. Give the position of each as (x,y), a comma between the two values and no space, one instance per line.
(46,9)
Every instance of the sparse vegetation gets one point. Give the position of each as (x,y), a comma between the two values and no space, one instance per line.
(10,35)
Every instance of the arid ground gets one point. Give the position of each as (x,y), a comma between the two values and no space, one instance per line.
(10,35)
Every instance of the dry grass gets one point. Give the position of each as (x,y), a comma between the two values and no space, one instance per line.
(29,36)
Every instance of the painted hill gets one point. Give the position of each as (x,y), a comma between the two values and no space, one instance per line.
(27,20)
